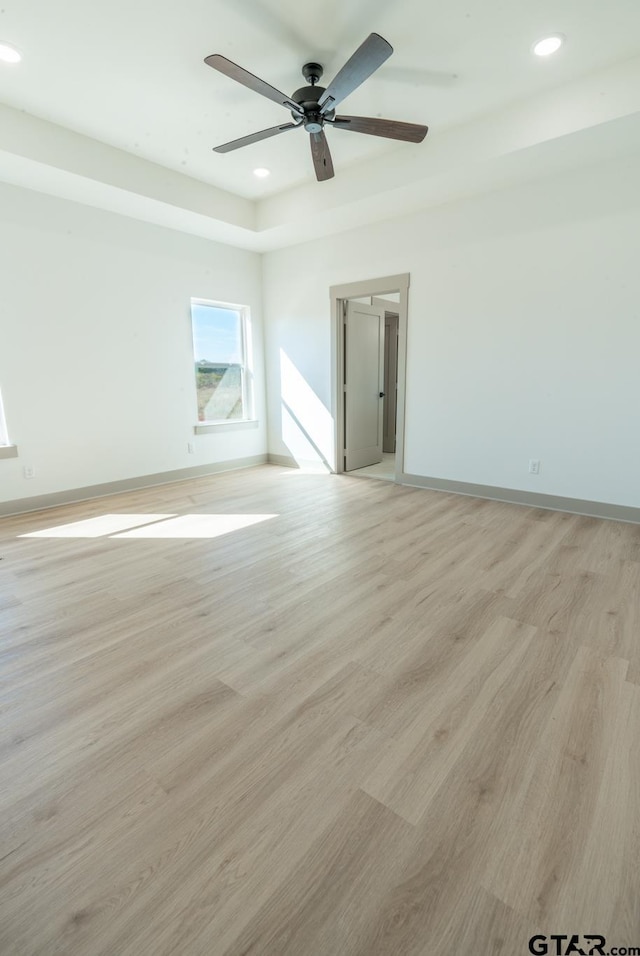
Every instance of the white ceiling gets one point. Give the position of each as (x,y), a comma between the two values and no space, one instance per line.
(130,74)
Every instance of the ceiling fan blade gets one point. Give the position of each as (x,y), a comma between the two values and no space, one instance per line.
(254,137)
(240,75)
(322,161)
(368,57)
(390,129)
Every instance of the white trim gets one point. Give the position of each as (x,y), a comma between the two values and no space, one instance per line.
(531,499)
(232,425)
(284,461)
(357,290)
(42,502)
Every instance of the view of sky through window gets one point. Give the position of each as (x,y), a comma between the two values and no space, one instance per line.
(216,334)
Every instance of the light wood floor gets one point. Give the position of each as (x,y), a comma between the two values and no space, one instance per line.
(385,722)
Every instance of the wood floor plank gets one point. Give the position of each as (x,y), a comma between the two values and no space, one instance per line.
(550,827)
(425,753)
(486,926)
(328,901)
(383,721)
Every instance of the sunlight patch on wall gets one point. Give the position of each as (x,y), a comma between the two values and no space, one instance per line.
(306,455)
(307,425)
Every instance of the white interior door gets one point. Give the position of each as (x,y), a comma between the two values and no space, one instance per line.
(364,384)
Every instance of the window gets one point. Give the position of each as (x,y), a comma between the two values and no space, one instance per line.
(6,449)
(4,438)
(221,352)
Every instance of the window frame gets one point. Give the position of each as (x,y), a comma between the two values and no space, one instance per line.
(246,368)
(7,450)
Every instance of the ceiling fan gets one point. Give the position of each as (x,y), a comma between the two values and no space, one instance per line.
(312,106)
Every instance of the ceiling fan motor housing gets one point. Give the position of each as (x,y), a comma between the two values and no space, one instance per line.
(307,97)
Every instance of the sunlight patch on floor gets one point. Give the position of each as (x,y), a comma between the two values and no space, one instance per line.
(196,526)
(96,527)
(153,526)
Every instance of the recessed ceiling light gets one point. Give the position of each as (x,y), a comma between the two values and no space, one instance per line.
(549,45)
(262,173)
(9,54)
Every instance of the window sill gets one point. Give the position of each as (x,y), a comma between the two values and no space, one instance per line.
(8,451)
(209,428)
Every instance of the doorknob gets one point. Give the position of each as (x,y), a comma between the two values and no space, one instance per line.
(381,394)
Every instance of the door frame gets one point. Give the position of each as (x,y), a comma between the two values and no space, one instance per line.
(357,290)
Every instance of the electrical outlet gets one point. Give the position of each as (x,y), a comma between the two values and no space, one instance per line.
(191,448)
(29,471)
(534,466)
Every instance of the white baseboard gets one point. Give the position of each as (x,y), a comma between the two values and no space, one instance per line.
(593,509)
(302,464)
(578,506)
(285,461)
(42,502)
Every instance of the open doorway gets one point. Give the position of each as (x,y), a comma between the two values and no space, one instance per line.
(369,360)
(390,306)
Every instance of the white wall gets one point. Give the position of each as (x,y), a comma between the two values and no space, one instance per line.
(524,336)
(96,363)
(524,333)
